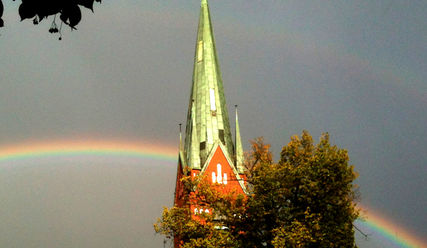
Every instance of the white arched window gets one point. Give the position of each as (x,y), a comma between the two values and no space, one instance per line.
(225,178)
(213,177)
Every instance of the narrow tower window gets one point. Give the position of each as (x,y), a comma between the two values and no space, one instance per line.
(213,177)
(219,176)
(212,98)
(200,51)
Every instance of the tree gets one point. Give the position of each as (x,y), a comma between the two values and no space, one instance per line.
(38,10)
(304,200)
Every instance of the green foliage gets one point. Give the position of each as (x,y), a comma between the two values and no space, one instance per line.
(304,200)
(206,229)
(310,189)
(297,234)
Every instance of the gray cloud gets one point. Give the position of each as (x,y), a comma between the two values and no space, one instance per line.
(353,69)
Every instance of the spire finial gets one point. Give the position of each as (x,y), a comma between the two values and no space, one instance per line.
(195,146)
(239,148)
(180,136)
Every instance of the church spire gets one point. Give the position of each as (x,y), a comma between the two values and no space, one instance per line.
(194,152)
(180,137)
(239,147)
(208,124)
(208,147)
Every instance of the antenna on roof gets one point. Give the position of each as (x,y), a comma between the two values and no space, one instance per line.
(235,137)
(180,136)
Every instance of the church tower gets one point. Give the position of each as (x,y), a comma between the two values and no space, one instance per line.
(209,148)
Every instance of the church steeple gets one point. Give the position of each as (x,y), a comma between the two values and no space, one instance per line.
(239,148)
(207,119)
(208,147)
(194,158)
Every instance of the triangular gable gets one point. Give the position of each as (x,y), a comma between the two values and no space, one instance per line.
(229,161)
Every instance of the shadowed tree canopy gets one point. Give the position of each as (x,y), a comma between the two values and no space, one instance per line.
(38,10)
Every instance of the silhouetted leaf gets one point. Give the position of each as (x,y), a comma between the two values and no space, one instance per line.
(38,10)
(86,3)
(75,16)
(71,15)
(1,14)
(27,10)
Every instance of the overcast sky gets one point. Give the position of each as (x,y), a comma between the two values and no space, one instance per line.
(355,69)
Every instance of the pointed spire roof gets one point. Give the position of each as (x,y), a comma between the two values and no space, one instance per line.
(239,147)
(180,137)
(208,123)
(194,152)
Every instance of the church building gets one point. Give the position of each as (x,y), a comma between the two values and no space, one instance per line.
(209,147)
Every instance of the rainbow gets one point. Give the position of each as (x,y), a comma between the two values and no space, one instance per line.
(371,219)
(80,148)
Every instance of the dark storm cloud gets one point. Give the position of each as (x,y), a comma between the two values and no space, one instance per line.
(83,203)
(353,69)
